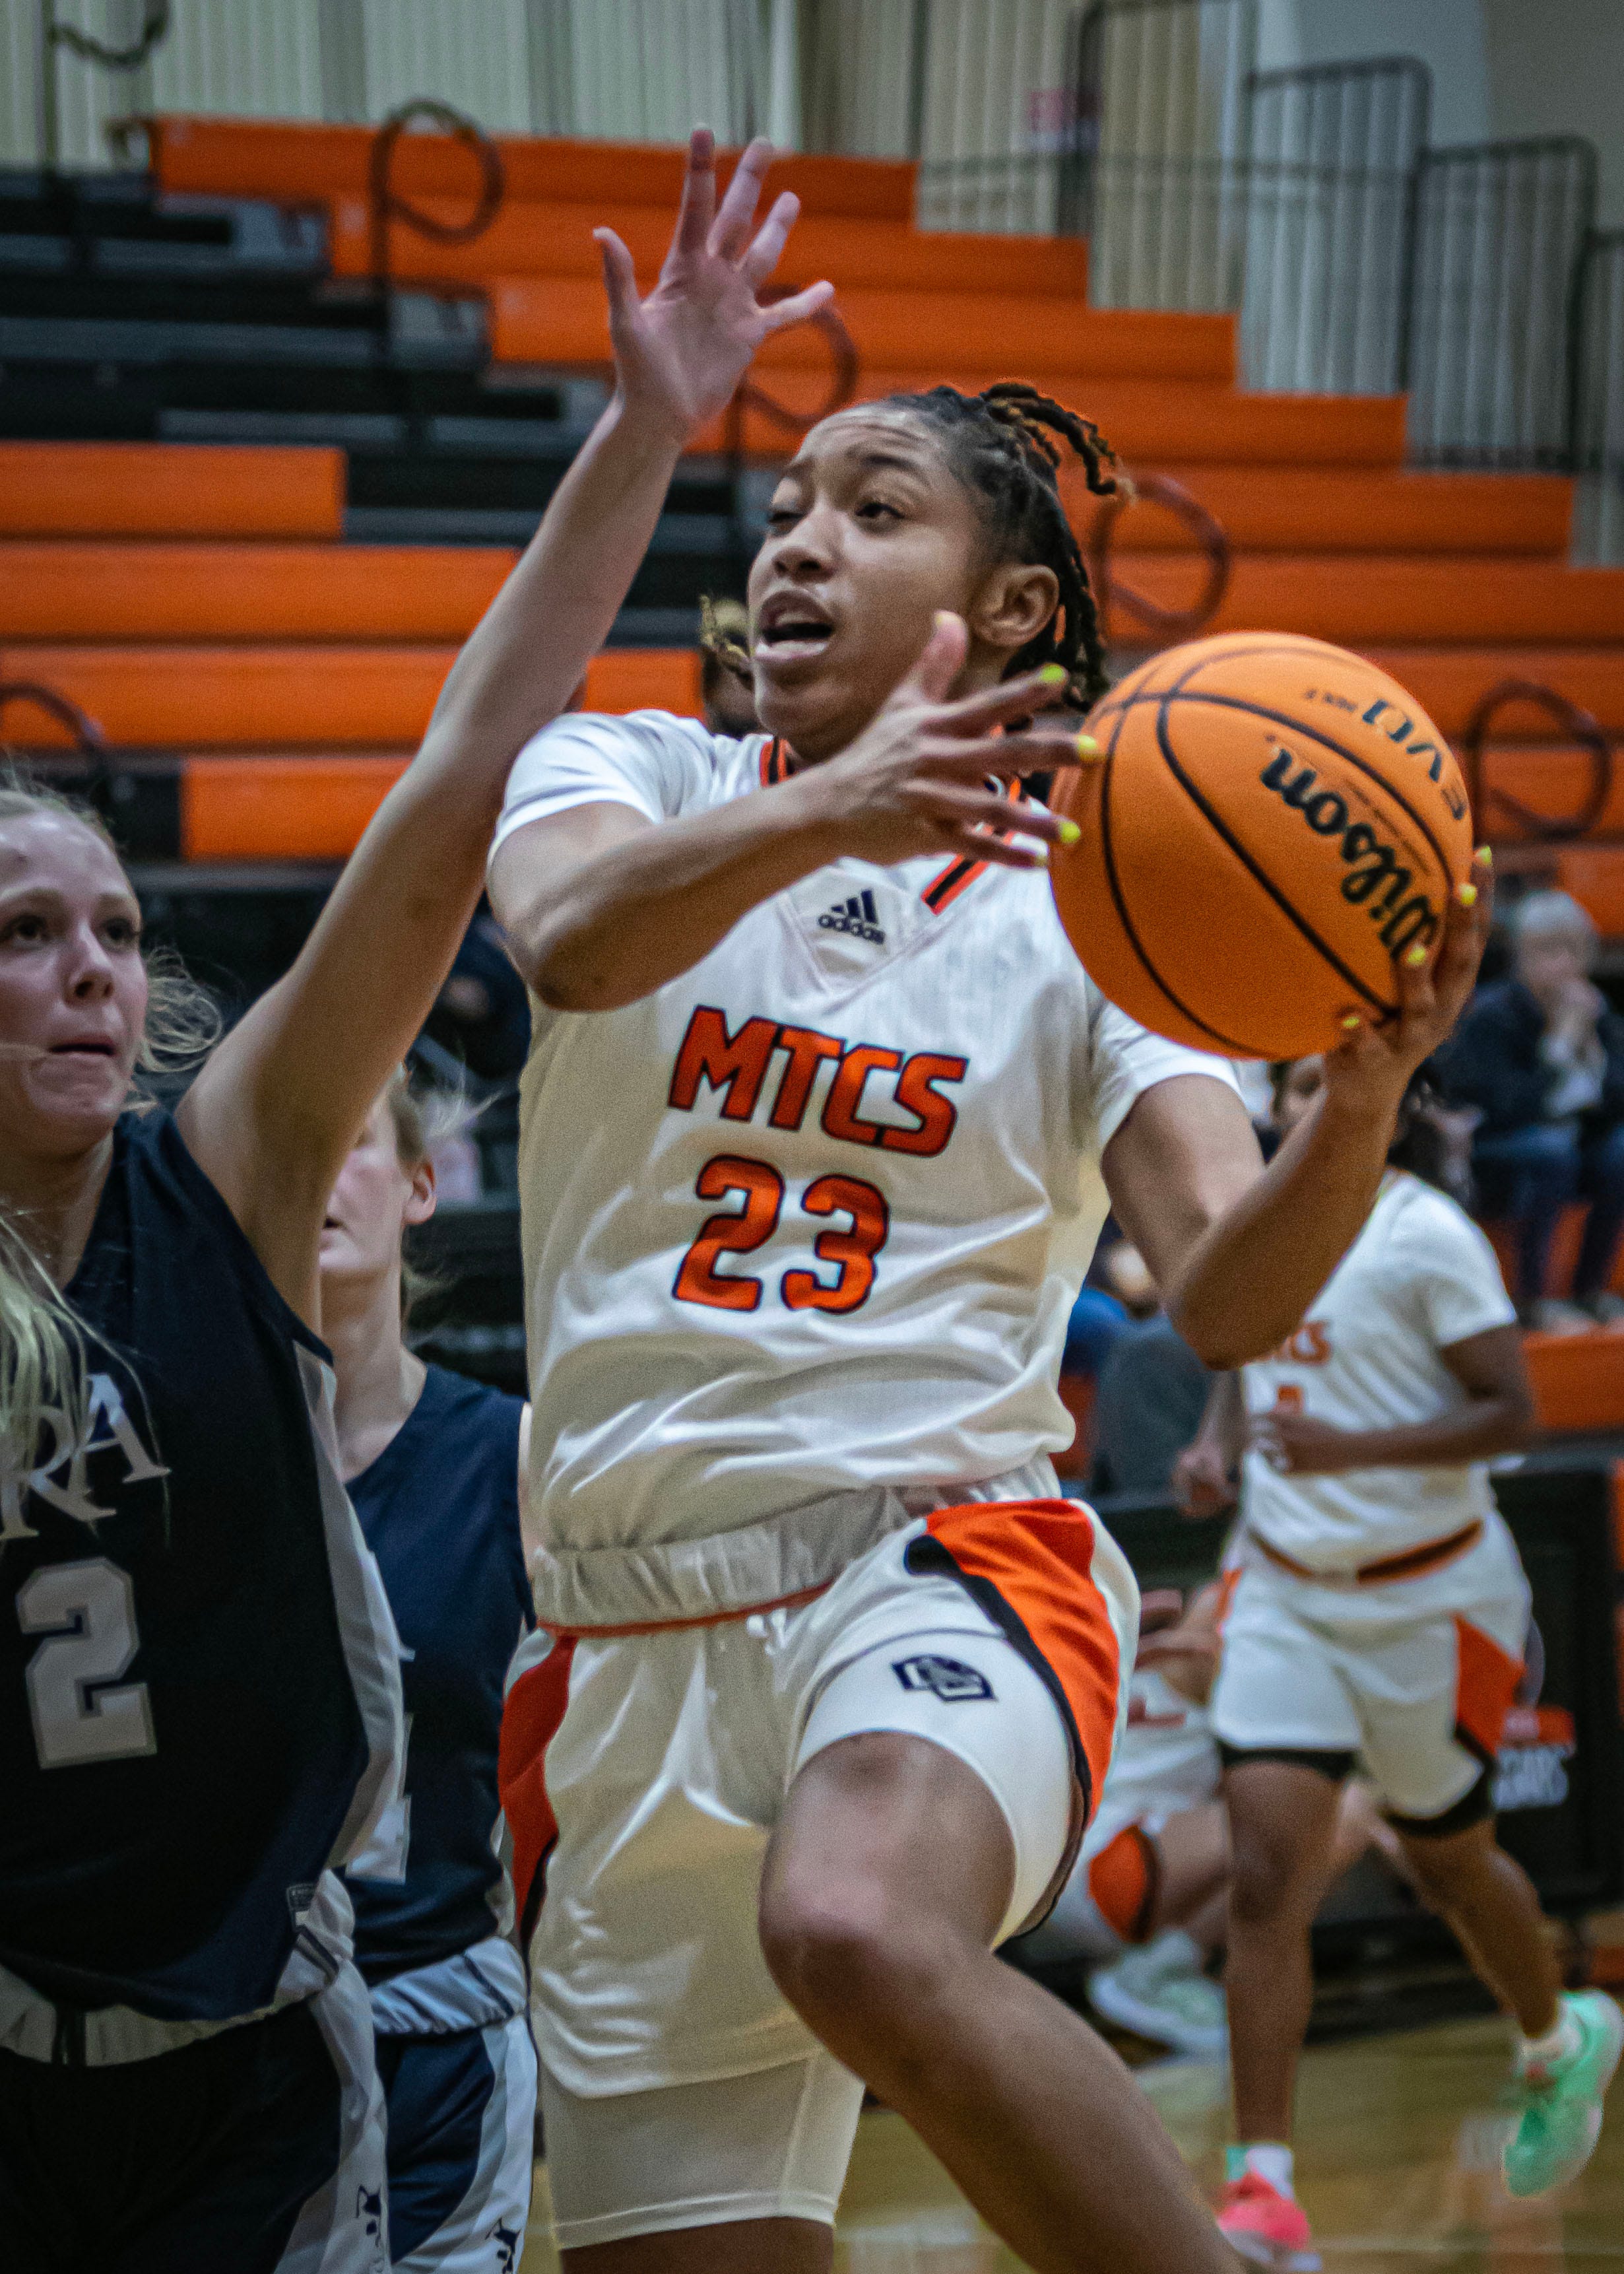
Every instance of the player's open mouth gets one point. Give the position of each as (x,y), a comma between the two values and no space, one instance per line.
(82,1049)
(791,628)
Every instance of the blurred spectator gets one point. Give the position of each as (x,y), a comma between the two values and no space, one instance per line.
(1096,1322)
(728,696)
(482,1014)
(1152,1393)
(1540,1058)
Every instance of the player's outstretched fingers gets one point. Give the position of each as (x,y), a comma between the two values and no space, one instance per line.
(697,209)
(780,314)
(1011,698)
(989,826)
(761,256)
(730,232)
(973,756)
(620,276)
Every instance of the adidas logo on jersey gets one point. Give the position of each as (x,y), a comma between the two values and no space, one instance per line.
(858,915)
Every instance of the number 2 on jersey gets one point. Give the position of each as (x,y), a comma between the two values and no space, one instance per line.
(740,1230)
(81,1712)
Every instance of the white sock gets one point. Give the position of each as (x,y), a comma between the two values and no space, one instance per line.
(1270,2159)
(1176,1953)
(1563,2039)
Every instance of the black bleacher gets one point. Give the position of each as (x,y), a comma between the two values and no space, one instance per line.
(125,315)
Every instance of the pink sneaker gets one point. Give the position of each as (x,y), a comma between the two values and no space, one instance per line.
(1266,2227)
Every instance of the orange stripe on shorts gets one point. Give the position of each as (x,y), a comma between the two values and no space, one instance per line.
(1486,1685)
(531,1715)
(1122,1880)
(1028,1564)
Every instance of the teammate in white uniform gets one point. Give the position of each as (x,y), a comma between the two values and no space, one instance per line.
(1145,1899)
(1378,1611)
(1148,1896)
(817,1132)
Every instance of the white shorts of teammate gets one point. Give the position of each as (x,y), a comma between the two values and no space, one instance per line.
(679,2090)
(1412,1675)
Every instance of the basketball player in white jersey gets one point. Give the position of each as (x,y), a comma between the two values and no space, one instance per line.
(1377,1611)
(818,1128)
(1147,1899)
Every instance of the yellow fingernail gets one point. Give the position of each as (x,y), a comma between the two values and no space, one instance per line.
(1467,895)
(1054,674)
(1069,833)
(1416,958)
(1086,747)
(1483,857)
(1352,1023)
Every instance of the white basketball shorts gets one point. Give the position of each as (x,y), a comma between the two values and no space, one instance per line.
(644,1775)
(1413,1676)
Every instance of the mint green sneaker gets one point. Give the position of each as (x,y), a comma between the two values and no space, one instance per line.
(1560,2114)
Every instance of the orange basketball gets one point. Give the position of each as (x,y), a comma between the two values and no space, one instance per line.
(1273,822)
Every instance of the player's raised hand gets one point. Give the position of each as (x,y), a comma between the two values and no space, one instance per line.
(928,774)
(680,354)
(1373,1064)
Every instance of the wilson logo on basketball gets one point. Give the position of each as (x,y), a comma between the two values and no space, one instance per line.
(1376,879)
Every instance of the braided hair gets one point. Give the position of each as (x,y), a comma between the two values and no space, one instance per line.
(1002,445)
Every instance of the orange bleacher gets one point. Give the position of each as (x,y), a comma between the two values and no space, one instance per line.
(1578,1379)
(152,489)
(1452,581)
(193,599)
(298,163)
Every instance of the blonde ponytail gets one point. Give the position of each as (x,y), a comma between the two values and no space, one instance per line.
(41,1350)
(43,1347)
(423,1121)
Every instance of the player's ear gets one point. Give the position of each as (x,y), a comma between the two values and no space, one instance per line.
(1016,600)
(424,1193)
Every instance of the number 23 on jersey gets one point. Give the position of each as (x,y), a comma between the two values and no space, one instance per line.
(848,1247)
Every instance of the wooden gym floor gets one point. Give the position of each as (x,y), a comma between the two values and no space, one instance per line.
(1396,2158)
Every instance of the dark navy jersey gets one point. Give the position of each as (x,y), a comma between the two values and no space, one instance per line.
(198,1701)
(440,1506)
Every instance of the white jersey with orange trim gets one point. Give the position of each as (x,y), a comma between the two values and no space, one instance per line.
(802,1228)
(1420,1276)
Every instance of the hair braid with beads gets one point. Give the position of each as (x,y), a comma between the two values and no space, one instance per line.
(1001,443)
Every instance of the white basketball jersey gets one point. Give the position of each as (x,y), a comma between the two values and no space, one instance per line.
(809,1220)
(1420,1276)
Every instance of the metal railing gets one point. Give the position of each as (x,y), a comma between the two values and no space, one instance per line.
(386,204)
(1162,100)
(991,114)
(100,779)
(1579,726)
(1500,233)
(54,36)
(1599,403)
(1163,625)
(1333,154)
(1358,260)
(843,377)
